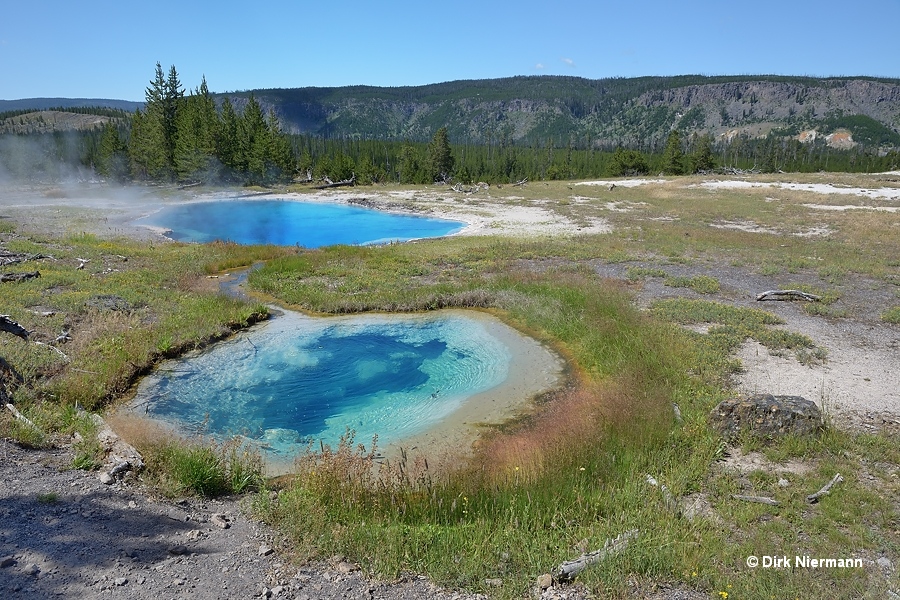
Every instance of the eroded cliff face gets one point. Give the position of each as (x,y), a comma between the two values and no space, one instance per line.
(609,112)
(726,105)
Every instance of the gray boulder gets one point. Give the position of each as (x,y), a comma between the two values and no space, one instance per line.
(767,416)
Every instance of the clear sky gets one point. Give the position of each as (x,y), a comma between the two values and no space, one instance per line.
(100,49)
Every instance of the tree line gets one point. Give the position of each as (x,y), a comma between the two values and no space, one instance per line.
(185,138)
(188,138)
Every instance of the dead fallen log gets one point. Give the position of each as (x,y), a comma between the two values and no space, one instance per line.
(13,258)
(787,295)
(333,184)
(757,499)
(813,498)
(12,277)
(520,183)
(461,189)
(10,326)
(571,568)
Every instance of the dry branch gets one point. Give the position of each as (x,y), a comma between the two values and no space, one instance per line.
(787,295)
(55,349)
(669,499)
(757,499)
(21,417)
(813,498)
(569,569)
(10,326)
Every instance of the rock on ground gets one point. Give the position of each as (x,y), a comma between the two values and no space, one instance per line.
(765,415)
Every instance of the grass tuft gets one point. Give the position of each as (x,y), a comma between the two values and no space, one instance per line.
(891,315)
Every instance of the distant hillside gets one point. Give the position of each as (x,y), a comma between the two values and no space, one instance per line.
(48,103)
(48,121)
(845,112)
(601,113)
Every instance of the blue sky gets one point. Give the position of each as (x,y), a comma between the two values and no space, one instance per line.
(110,49)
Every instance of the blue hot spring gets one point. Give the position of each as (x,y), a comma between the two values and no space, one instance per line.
(287,223)
(296,380)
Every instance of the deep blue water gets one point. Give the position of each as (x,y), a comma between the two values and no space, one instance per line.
(287,223)
(297,380)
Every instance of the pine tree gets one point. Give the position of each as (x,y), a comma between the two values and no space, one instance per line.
(408,164)
(702,159)
(627,163)
(153,132)
(281,154)
(254,142)
(112,155)
(197,124)
(673,157)
(173,94)
(148,149)
(440,159)
(228,140)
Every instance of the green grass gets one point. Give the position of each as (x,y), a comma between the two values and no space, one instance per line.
(178,467)
(639,273)
(530,496)
(566,476)
(891,315)
(702,284)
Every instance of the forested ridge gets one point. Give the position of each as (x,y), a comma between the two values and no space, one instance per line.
(495,130)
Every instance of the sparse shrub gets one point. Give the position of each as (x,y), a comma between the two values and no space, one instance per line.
(638,273)
(702,284)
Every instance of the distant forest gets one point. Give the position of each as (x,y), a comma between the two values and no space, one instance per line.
(196,137)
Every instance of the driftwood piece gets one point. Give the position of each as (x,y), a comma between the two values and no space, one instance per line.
(787,295)
(569,569)
(813,498)
(12,277)
(12,258)
(21,417)
(757,499)
(10,326)
(333,184)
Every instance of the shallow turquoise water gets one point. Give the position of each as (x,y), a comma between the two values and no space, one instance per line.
(297,380)
(288,223)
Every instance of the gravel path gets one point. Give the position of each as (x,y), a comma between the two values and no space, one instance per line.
(63,534)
